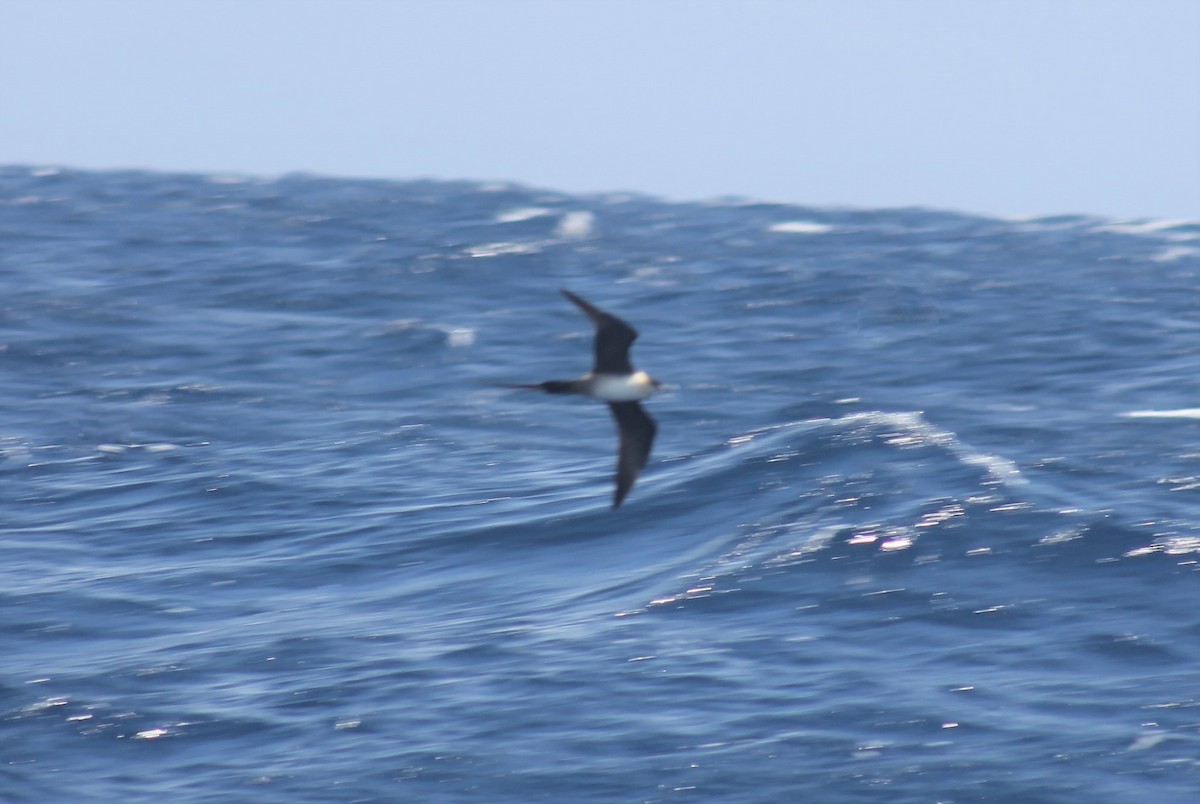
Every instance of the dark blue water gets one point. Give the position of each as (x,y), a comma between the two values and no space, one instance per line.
(922,522)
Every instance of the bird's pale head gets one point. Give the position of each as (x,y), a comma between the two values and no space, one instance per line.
(649,383)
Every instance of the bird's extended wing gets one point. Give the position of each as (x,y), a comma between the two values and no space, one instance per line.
(613,338)
(636,431)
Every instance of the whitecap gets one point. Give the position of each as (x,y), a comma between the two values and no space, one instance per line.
(523,214)
(500,249)
(1146,227)
(460,336)
(800,227)
(1175,253)
(576,225)
(1179,413)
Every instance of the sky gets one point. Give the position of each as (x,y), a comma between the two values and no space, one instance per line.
(999,107)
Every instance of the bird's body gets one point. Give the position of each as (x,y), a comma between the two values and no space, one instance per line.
(620,387)
(613,380)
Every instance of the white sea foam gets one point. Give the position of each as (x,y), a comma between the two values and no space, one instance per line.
(1148,227)
(502,249)
(523,214)
(460,336)
(576,225)
(1175,253)
(800,227)
(1179,413)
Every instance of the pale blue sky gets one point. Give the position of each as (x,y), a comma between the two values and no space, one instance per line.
(1005,107)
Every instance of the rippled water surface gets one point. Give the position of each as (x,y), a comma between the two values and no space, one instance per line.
(922,522)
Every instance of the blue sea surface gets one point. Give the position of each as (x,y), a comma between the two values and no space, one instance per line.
(922,523)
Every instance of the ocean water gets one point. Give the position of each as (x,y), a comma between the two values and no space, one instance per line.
(922,523)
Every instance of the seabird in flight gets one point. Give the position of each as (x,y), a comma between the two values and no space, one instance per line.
(613,380)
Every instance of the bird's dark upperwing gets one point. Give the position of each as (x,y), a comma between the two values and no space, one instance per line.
(636,430)
(613,338)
